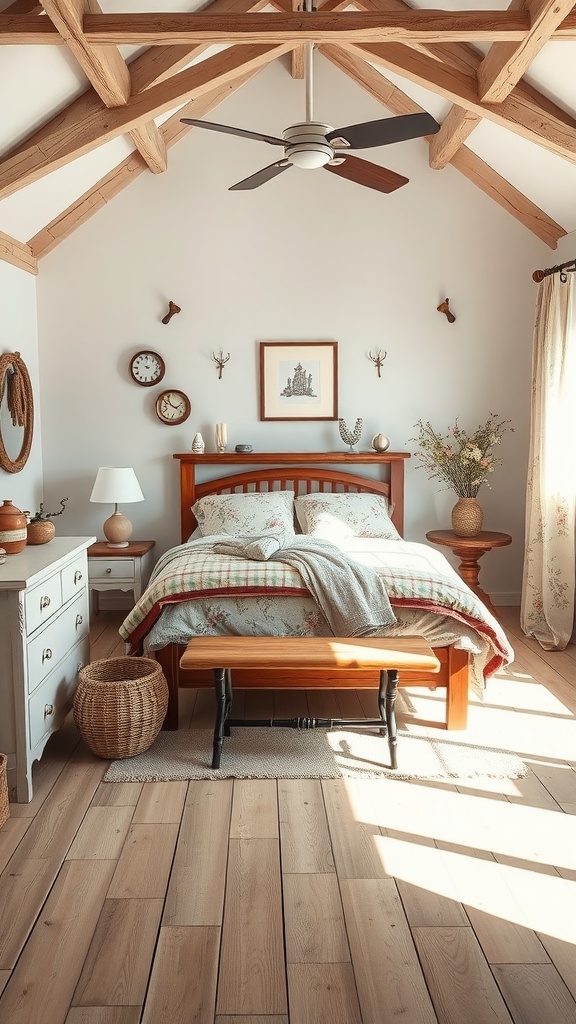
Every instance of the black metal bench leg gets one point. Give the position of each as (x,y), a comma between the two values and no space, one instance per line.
(228,701)
(220,688)
(391,694)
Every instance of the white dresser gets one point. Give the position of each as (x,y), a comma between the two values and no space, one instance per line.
(44,641)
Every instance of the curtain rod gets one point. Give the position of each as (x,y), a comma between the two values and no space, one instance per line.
(561,269)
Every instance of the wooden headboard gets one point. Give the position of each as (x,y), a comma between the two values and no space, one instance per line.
(296,471)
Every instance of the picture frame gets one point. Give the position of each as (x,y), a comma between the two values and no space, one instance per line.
(298,380)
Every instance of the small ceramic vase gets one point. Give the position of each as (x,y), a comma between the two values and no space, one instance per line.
(12,528)
(467,517)
(198,445)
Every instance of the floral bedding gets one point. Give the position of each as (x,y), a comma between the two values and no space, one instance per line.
(194,591)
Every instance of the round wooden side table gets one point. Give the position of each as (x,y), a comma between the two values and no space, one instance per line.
(469,550)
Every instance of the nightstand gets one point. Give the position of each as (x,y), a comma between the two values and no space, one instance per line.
(126,568)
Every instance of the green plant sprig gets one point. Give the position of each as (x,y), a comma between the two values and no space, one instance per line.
(41,516)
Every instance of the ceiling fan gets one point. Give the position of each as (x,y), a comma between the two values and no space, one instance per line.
(311,144)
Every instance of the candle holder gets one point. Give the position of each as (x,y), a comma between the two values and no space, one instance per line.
(221,435)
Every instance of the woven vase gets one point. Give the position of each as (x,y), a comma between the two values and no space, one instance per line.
(40,532)
(467,517)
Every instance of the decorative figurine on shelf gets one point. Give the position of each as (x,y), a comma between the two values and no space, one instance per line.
(380,443)
(350,437)
(198,445)
(221,438)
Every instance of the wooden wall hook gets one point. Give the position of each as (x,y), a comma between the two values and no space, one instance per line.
(444,307)
(172,309)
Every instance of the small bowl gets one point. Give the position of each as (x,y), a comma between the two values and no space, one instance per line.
(243,449)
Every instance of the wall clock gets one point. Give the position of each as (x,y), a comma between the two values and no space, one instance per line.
(172,406)
(147,368)
(16,410)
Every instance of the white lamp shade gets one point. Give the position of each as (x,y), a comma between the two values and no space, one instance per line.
(116,486)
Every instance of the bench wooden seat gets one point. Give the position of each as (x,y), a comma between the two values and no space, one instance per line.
(389,656)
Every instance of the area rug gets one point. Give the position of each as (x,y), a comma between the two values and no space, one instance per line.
(263,753)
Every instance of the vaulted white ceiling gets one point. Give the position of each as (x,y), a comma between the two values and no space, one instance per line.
(87,102)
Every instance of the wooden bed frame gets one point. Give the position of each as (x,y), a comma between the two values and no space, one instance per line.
(305,473)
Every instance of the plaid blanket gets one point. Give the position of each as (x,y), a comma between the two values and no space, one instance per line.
(415,576)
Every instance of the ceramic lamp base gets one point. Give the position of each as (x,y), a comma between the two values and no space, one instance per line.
(117,530)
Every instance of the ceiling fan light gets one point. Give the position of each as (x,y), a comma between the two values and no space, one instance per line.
(309,155)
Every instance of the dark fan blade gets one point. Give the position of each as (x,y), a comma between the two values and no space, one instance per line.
(262,176)
(385,131)
(233,131)
(365,173)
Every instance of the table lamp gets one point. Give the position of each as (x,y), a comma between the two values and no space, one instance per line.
(115,486)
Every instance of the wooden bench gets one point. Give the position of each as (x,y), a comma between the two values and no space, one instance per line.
(389,656)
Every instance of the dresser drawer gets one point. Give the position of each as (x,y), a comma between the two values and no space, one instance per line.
(42,601)
(49,704)
(51,644)
(102,570)
(73,578)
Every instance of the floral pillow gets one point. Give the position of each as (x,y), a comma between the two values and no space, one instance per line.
(246,514)
(338,516)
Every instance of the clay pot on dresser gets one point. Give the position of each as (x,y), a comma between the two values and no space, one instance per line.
(12,528)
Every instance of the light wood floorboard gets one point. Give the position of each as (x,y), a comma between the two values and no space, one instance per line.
(341,901)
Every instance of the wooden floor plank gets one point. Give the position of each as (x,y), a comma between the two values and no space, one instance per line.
(144,865)
(305,838)
(160,803)
(40,990)
(314,921)
(183,983)
(119,959)
(252,972)
(388,976)
(23,891)
(4,976)
(10,835)
(323,993)
(535,993)
(254,809)
(120,794)
(103,1015)
(196,889)
(354,841)
(102,833)
(459,979)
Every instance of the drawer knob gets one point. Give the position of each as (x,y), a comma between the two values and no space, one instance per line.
(79,620)
(48,710)
(77,576)
(108,571)
(44,602)
(46,654)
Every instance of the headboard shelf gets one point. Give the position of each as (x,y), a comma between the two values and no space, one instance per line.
(300,469)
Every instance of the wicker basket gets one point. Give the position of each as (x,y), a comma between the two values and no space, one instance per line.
(120,704)
(4,806)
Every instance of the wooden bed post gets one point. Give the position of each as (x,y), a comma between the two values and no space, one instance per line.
(187,497)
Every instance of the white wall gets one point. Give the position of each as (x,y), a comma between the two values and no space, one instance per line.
(308,256)
(18,333)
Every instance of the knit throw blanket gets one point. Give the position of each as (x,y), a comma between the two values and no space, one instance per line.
(352,596)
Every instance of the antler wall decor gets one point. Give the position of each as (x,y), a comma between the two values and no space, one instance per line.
(172,310)
(378,358)
(444,307)
(220,359)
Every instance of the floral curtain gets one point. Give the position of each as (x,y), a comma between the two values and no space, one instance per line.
(549,579)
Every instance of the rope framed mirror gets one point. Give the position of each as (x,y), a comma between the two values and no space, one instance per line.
(17,406)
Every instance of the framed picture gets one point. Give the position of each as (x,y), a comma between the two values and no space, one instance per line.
(298,380)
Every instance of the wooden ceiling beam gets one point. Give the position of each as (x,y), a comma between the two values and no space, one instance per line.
(458,124)
(505,63)
(18,254)
(149,142)
(63,142)
(515,113)
(104,66)
(465,161)
(125,173)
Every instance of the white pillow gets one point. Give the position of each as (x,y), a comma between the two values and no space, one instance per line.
(336,516)
(245,514)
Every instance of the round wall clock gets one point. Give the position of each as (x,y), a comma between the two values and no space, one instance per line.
(17,406)
(147,368)
(172,406)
